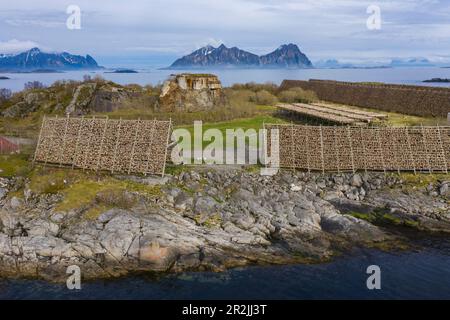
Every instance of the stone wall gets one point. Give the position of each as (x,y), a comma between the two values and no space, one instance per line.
(340,149)
(128,146)
(412,100)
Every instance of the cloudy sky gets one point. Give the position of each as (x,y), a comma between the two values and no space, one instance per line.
(165,29)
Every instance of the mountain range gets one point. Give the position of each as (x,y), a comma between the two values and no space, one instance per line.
(286,56)
(35,59)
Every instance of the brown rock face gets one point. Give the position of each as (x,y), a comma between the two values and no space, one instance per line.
(92,97)
(191,93)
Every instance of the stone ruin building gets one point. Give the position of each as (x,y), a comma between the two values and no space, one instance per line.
(191,93)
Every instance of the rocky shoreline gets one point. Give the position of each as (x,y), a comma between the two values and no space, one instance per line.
(214,219)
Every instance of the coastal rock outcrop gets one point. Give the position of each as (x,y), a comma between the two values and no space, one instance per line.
(72,98)
(213,219)
(98,97)
(191,92)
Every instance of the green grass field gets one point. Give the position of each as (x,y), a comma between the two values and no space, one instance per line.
(16,164)
(256,123)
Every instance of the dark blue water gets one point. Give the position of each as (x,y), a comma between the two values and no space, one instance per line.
(422,273)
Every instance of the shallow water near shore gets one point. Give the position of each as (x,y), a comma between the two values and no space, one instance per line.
(420,273)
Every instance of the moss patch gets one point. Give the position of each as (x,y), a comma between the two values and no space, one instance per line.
(14,165)
(95,211)
(421,180)
(362,216)
(381,218)
(85,193)
(95,192)
(213,221)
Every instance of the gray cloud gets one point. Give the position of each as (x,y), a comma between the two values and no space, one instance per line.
(14,46)
(322,28)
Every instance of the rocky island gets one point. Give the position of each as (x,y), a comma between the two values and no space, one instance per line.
(122,71)
(437,80)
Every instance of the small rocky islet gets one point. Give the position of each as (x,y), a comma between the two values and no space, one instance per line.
(211,219)
(437,80)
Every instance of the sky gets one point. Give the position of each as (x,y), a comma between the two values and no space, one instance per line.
(162,30)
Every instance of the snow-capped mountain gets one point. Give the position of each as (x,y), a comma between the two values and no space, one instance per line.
(35,59)
(286,56)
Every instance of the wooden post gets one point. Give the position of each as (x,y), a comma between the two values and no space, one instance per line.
(411,156)
(101,144)
(424,140)
(113,166)
(336,147)
(364,149)
(167,143)
(292,147)
(381,150)
(307,149)
(50,141)
(39,140)
(398,156)
(150,146)
(75,155)
(442,150)
(64,141)
(88,145)
(321,151)
(134,145)
(262,145)
(351,148)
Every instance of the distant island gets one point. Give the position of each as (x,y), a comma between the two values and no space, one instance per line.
(286,56)
(437,80)
(122,71)
(31,71)
(394,63)
(37,71)
(332,64)
(35,60)
(335,64)
(411,62)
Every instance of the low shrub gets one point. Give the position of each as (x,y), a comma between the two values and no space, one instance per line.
(255,87)
(264,97)
(117,198)
(297,95)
